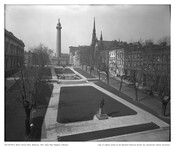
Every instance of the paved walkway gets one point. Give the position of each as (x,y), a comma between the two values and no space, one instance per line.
(152,102)
(51,129)
(54,76)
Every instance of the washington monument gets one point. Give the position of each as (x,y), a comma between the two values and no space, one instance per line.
(58,41)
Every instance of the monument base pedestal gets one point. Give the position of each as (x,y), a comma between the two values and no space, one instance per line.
(102,116)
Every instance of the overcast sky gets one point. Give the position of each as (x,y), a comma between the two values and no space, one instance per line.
(35,24)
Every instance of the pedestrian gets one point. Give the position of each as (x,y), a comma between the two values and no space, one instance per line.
(165,101)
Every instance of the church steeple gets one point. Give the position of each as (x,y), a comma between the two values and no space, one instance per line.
(101,37)
(94,34)
(94,31)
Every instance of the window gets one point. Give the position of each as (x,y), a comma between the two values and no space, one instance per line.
(165,67)
(153,58)
(159,67)
(10,48)
(158,58)
(168,57)
(141,57)
(164,58)
(149,66)
(11,60)
(14,49)
(138,63)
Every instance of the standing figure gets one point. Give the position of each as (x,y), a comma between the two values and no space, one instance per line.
(165,101)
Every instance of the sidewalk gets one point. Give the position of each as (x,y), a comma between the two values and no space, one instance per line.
(152,102)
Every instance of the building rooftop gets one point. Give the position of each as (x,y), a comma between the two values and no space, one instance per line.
(11,35)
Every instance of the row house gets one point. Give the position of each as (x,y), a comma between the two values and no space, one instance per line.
(133,57)
(120,62)
(116,62)
(14,53)
(111,54)
(116,58)
(113,62)
(151,63)
(32,58)
(156,65)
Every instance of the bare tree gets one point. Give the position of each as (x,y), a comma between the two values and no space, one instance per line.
(121,82)
(136,80)
(155,59)
(157,70)
(132,65)
(29,83)
(98,68)
(105,68)
(115,69)
(121,74)
(97,62)
(30,78)
(164,40)
(41,55)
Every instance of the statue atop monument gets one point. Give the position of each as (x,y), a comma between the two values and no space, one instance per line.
(59,24)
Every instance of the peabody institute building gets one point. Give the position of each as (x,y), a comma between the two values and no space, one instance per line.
(14,53)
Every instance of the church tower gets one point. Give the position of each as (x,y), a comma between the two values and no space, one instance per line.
(93,43)
(58,41)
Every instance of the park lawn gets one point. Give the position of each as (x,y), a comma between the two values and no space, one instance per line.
(109,132)
(15,115)
(63,71)
(81,103)
(85,74)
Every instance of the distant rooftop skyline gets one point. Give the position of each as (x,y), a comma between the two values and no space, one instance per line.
(35,24)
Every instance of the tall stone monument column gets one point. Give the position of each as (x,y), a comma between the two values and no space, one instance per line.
(58,41)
